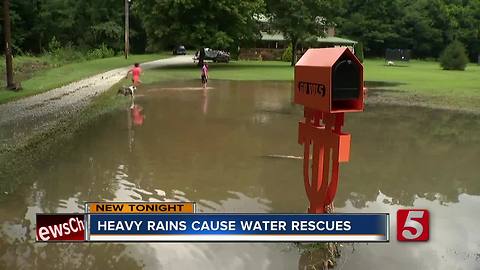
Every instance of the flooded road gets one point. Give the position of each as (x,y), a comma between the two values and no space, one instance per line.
(222,148)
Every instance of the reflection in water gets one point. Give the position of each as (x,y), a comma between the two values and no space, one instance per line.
(317,256)
(137,115)
(205,101)
(454,240)
(135,118)
(400,157)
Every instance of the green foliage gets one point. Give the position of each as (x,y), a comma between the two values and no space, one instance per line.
(287,54)
(86,24)
(216,24)
(234,52)
(423,26)
(454,57)
(298,20)
(102,52)
(68,54)
(359,51)
(63,54)
(54,45)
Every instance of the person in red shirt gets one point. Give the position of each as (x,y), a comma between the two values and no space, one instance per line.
(136,71)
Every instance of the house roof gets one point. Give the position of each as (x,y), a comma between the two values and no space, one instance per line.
(330,40)
(272,37)
(336,40)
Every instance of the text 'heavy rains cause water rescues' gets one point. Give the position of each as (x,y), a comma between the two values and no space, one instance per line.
(238,227)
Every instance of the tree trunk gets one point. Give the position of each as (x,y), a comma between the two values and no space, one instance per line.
(201,57)
(294,52)
(8,43)
(127,43)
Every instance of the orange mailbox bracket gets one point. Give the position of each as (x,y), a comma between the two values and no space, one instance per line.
(328,83)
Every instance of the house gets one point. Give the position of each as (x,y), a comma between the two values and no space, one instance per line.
(271,44)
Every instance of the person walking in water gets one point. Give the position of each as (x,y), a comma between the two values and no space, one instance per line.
(136,71)
(204,75)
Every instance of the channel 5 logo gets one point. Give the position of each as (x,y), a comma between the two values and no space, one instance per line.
(413,225)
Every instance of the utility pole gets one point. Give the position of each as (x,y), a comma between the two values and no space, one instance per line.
(8,42)
(127,45)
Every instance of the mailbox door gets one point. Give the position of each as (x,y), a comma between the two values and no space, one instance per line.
(345,78)
(347,84)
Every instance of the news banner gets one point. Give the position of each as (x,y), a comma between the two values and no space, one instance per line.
(179,222)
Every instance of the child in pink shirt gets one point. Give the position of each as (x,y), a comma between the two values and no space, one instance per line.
(204,75)
(136,70)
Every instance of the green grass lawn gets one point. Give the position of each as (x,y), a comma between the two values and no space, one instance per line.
(418,77)
(236,70)
(426,78)
(50,78)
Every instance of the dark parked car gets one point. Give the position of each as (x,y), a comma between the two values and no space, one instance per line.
(213,55)
(179,50)
(223,57)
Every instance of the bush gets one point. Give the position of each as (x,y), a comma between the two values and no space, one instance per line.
(102,52)
(69,54)
(359,51)
(63,54)
(234,52)
(454,57)
(287,54)
(54,45)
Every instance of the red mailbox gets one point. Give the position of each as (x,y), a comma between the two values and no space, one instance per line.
(328,82)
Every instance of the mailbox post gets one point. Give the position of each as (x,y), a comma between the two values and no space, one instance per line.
(328,83)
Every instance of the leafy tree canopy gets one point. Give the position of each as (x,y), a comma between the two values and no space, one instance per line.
(217,24)
(299,19)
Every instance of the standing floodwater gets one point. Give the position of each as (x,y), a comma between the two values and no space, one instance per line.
(233,148)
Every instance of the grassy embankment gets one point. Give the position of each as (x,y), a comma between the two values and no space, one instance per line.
(20,163)
(422,82)
(40,74)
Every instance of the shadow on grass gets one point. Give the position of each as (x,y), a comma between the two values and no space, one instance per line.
(380,84)
(397,65)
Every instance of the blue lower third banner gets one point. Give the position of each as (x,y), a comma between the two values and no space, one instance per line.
(238,227)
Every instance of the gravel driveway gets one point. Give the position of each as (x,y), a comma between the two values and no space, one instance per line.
(22,118)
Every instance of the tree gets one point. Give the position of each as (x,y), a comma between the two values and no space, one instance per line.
(299,19)
(8,43)
(423,26)
(454,57)
(374,23)
(85,24)
(218,24)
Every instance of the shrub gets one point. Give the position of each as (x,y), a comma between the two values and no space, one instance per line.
(102,52)
(454,57)
(62,54)
(54,45)
(359,51)
(287,54)
(69,53)
(234,52)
